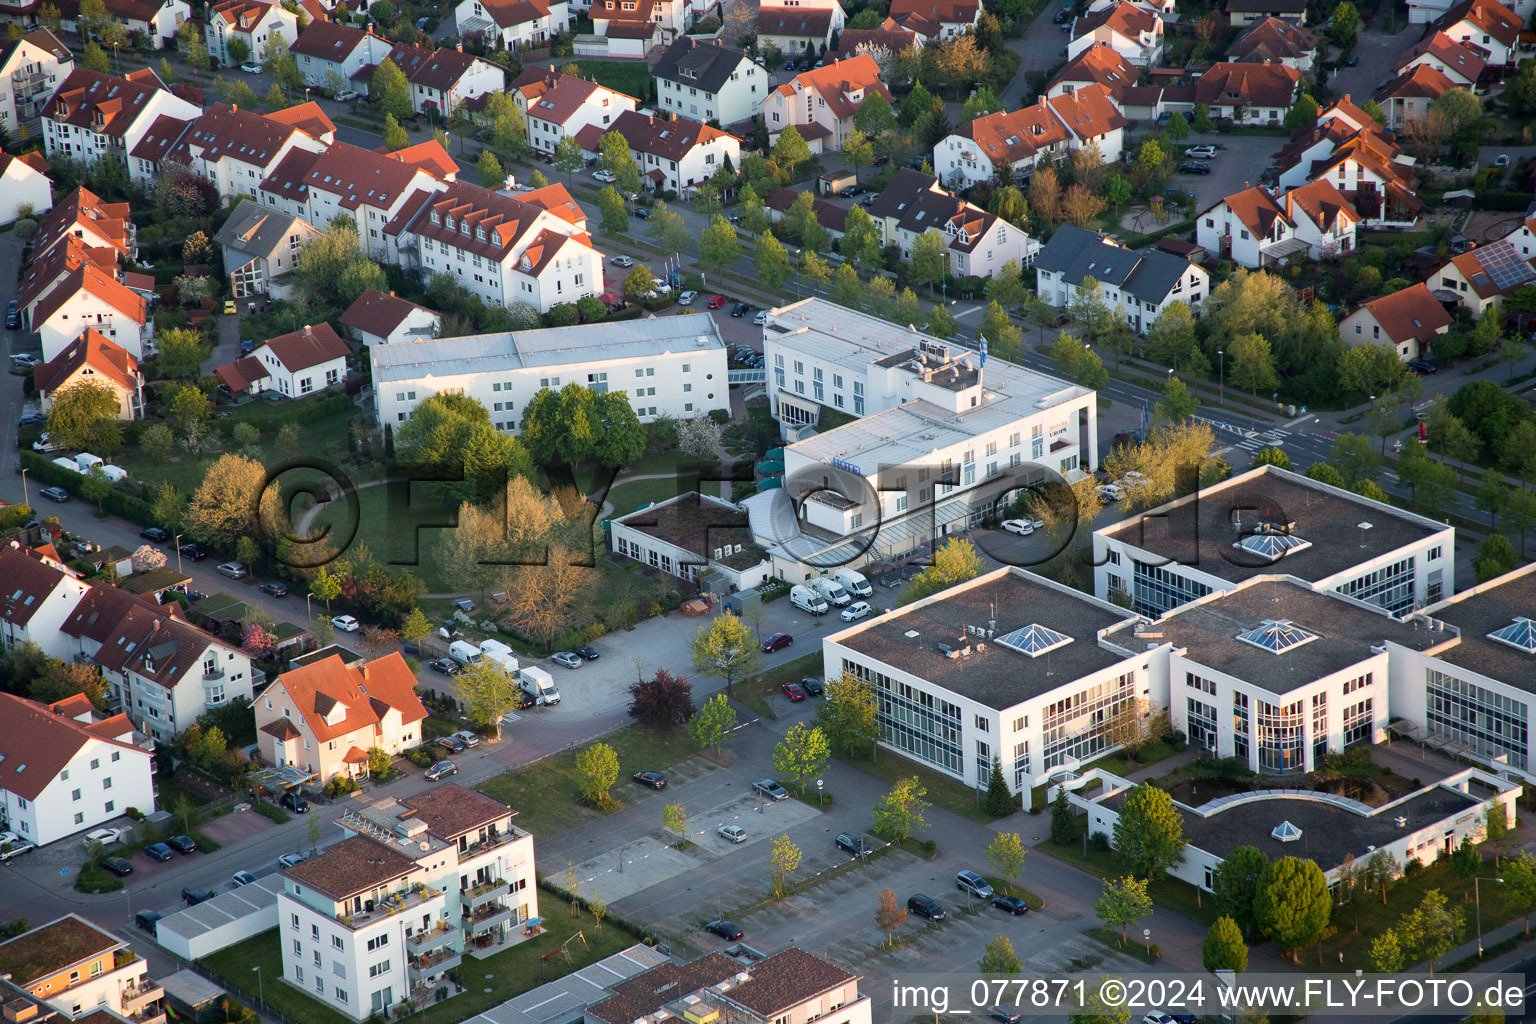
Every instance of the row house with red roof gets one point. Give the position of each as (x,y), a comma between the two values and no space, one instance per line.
(39,593)
(978,242)
(93,115)
(88,297)
(509,24)
(1276,41)
(238,149)
(327,47)
(1248,93)
(1348,148)
(153,21)
(533,248)
(1257,229)
(31,68)
(1487,26)
(936,20)
(1458,62)
(556,106)
(799,26)
(820,103)
(440,79)
(1407,96)
(1131,30)
(1020,140)
(1424,12)
(292,365)
(253,22)
(96,359)
(674,154)
(64,769)
(84,217)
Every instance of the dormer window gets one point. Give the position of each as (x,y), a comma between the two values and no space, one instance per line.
(479,234)
(448,223)
(464,227)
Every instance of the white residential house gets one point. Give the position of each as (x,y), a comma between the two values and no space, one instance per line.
(95,359)
(1249,228)
(292,365)
(377,318)
(250,21)
(1455,60)
(38,595)
(154,20)
(511,24)
(1130,29)
(238,149)
(821,103)
(1323,217)
(326,46)
(94,115)
(676,154)
(419,885)
(1523,238)
(89,297)
(978,242)
(444,77)
(260,247)
(1138,284)
(82,970)
(1487,26)
(1407,319)
(1248,93)
(556,106)
(1049,130)
(936,20)
(69,772)
(705,80)
(24,183)
(31,68)
(632,28)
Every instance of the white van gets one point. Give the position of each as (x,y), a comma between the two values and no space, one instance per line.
(829,589)
(465,654)
(853,582)
(501,654)
(807,600)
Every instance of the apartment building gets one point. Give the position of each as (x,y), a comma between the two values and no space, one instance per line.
(92,115)
(706,80)
(417,886)
(821,103)
(667,365)
(327,715)
(558,106)
(31,68)
(675,154)
(80,968)
(1267,517)
(324,47)
(1138,284)
(238,149)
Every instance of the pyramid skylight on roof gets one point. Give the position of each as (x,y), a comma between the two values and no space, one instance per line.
(1520,634)
(1277,636)
(1034,640)
(1271,544)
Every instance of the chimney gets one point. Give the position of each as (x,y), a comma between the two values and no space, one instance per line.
(459,47)
(234,108)
(363,668)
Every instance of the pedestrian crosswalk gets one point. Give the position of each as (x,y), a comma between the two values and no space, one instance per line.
(1236,435)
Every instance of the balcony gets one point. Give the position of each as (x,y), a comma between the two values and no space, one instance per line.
(436,962)
(490,843)
(487,917)
(484,892)
(438,935)
(142,997)
(213,672)
(394,903)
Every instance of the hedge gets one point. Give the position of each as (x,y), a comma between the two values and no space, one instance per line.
(118,502)
(1503,200)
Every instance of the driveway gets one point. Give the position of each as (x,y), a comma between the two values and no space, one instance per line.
(1039,49)
(1238,164)
(1377,51)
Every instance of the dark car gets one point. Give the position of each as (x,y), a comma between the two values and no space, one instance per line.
(119,866)
(655,780)
(193,550)
(154,533)
(1194,167)
(925,906)
(585,653)
(1422,365)
(294,802)
(794,691)
(58,494)
(31,421)
(777,642)
(1012,904)
(452,744)
(196,896)
(854,190)
(642,212)
(1349,62)
(728,930)
(160,851)
(12,314)
(447,666)
(740,310)
(1005,1015)
(812,686)
(182,844)
(148,920)
(853,844)
(274,587)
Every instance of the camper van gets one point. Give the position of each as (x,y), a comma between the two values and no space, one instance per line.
(464,653)
(807,600)
(830,590)
(853,582)
(501,654)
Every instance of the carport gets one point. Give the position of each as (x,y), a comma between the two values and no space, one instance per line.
(280,780)
(193,996)
(226,919)
(565,1001)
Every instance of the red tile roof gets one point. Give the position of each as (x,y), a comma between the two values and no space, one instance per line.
(510,13)
(1256,209)
(662,138)
(241,374)
(36,744)
(307,118)
(1256,85)
(105,104)
(1089,112)
(1423,82)
(1124,18)
(377,313)
(845,83)
(93,350)
(321,686)
(288,177)
(1008,137)
(101,286)
(1272,39)
(245,135)
(450,810)
(42,274)
(112,221)
(358,176)
(786,980)
(431,157)
(163,135)
(353,866)
(1471,264)
(558,201)
(1100,63)
(794,22)
(934,13)
(1321,202)
(559,98)
(438,69)
(1449,52)
(311,346)
(1411,312)
(117,620)
(329,41)
(1491,16)
(29,581)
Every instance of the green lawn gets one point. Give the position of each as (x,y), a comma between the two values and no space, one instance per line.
(545,795)
(628,497)
(487,982)
(943,791)
(627,77)
(1168,892)
(398,531)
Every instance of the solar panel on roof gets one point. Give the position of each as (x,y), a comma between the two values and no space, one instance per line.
(1506,266)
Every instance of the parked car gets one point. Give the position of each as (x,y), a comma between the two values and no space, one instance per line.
(346,623)
(104,836)
(441,770)
(346,95)
(468,738)
(1194,167)
(1012,904)
(740,310)
(812,686)
(854,612)
(148,920)
(854,190)
(716,301)
(794,691)
(247,346)
(183,844)
(771,789)
(621,261)
(250,67)
(119,866)
(193,550)
(852,843)
(642,212)
(155,534)
(655,780)
(452,744)
(777,642)
(1502,160)
(1004,1014)
(1110,492)
(12,315)
(925,906)
(240,878)
(289,860)
(276,588)
(605,176)
(447,666)
(160,851)
(972,883)
(586,653)
(735,833)
(234,570)
(761,318)
(1022,527)
(1156,1017)
(569,659)
(1200,152)
(1351,61)
(1423,365)
(728,930)
(294,802)
(196,896)
(58,494)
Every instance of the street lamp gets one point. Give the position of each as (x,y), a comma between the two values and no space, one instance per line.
(177,542)
(1221,362)
(260,998)
(308,614)
(1479,901)
(26,496)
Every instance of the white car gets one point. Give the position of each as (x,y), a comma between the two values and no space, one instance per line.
(234,570)
(605,176)
(1200,152)
(251,68)
(1022,527)
(735,833)
(1110,492)
(855,611)
(290,860)
(621,261)
(346,623)
(686,299)
(1134,479)
(761,318)
(104,836)
(659,286)
(1157,1017)
(344,96)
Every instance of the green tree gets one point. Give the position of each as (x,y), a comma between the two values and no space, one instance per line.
(491,172)
(874,116)
(1273,456)
(416,627)
(1000,958)
(1303,114)
(394,135)
(1177,404)
(1149,834)
(1520,886)
(674,818)
(390,90)
(568,157)
(617,157)
(999,802)
(488,692)
(1520,514)
(772,263)
(790,151)
(899,814)
(718,246)
(847,289)
(1252,364)
(95,486)
(726,648)
(1354,458)
(1152,163)
(378,763)
(1177,129)
(1224,948)
(84,415)
(1006,853)
(754,215)
(597,770)
(169,508)
(930,258)
(1123,902)
(858,151)
(712,723)
(1387,953)
(325,586)
(706,201)
(615,214)
(668,228)
(1063,823)
(1495,557)
(941,322)
(1004,339)
(95,58)
(956,562)
(1119,189)
(802,753)
(862,244)
(1491,495)
(1293,903)
(783,861)
(92,19)
(847,712)
(1432,928)
(815,270)
(1344,23)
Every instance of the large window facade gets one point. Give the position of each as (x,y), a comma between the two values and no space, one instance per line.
(1391,586)
(1357,723)
(1280,736)
(1488,722)
(1079,726)
(915,721)
(1155,588)
(1240,726)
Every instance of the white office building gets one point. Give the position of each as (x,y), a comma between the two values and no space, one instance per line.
(673,365)
(1268,520)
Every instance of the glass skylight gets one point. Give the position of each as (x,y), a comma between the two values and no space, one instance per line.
(1034,640)
(1520,634)
(1271,545)
(1277,636)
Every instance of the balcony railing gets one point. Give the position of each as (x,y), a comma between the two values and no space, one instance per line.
(431,938)
(484,892)
(488,916)
(213,672)
(136,999)
(435,962)
(492,842)
(394,903)
(123,957)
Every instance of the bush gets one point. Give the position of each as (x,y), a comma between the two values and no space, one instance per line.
(135,814)
(1100,842)
(93,879)
(204,844)
(272,811)
(418,757)
(339,786)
